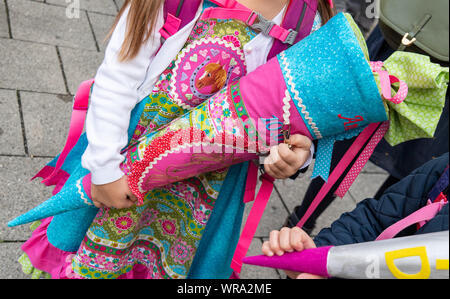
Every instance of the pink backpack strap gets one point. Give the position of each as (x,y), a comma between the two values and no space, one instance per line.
(252,180)
(424,214)
(298,20)
(252,222)
(178,13)
(79,111)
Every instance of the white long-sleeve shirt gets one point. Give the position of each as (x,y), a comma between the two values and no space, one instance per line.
(119,87)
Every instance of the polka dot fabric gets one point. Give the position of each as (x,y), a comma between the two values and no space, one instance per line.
(418,116)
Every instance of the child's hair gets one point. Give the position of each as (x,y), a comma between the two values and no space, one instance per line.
(142,18)
(140,24)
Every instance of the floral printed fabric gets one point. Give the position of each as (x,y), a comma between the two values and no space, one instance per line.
(162,235)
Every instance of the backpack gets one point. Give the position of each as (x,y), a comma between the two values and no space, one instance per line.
(415,22)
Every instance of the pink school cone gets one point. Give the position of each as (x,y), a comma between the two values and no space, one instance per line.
(312,261)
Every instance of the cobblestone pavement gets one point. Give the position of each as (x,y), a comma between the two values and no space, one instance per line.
(44,56)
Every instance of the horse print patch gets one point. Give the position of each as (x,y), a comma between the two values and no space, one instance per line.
(203,68)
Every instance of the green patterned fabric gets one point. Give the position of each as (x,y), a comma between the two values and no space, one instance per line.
(418,116)
(28,268)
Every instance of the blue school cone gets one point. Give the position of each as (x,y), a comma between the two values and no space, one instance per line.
(74,195)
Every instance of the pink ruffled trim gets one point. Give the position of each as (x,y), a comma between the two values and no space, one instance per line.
(58,180)
(46,257)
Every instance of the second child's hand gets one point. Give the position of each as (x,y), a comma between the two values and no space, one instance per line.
(113,195)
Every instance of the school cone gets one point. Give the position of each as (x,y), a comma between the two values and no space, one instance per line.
(73,196)
(415,257)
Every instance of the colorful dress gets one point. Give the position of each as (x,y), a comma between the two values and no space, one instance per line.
(188,229)
(159,239)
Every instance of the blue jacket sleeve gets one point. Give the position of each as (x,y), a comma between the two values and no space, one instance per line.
(371,217)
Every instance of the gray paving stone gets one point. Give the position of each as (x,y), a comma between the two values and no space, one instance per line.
(119,3)
(79,65)
(30,66)
(11,140)
(18,194)
(293,191)
(39,22)
(4,29)
(372,168)
(101,25)
(103,6)
(47,119)
(9,266)
(253,272)
(333,212)
(366,186)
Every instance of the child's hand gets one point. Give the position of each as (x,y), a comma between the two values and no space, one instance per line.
(288,240)
(283,162)
(113,195)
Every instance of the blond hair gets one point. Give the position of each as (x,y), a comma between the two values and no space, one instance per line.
(141,22)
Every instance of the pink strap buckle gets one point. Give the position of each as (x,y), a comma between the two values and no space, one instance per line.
(79,107)
(171,26)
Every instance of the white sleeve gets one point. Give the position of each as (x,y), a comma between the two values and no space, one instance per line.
(308,162)
(113,98)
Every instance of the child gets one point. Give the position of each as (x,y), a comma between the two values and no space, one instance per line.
(106,134)
(371,217)
(139,88)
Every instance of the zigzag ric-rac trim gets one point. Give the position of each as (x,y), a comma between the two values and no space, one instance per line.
(80,191)
(181,147)
(297,98)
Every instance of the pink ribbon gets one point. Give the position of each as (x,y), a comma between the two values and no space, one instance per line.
(386,82)
(420,216)
(362,160)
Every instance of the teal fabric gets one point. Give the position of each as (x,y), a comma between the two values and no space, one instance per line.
(324,152)
(331,83)
(68,198)
(66,231)
(332,77)
(216,249)
(208,4)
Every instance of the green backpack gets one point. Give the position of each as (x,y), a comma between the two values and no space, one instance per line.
(417,24)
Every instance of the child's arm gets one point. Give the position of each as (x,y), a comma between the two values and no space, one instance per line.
(288,240)
(113,98)
(283,162)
